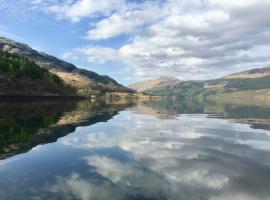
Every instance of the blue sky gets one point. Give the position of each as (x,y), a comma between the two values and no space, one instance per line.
(133,40)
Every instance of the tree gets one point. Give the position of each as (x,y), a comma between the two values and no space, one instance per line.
(3,66)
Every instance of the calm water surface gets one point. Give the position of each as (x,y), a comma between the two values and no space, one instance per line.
(134,150)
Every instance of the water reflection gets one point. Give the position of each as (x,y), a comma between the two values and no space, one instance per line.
(25,125)
(154,150)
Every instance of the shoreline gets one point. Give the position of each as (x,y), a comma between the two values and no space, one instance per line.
(29,98)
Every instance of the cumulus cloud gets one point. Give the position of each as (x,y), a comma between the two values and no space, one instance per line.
(93,54)
(125,21)
(192,39)
(77,10)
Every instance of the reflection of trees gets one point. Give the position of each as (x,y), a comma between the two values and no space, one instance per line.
(25,125)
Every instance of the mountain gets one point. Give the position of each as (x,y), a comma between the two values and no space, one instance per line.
(158,83)
(247,84)
(253,73)
(83,81)
(21,77)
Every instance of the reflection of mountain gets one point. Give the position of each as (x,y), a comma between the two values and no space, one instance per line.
(169,108)
(136,156)
(26,125)
(257,116)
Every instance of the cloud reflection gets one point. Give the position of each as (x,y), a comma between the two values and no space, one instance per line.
(191,157)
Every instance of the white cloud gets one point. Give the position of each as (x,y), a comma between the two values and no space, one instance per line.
(124,22)
(189,38)
(77,10)
(238,3)
(94,54)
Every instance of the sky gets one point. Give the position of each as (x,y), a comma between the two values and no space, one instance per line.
(135,40)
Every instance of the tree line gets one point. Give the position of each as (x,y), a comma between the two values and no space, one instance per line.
(16,66)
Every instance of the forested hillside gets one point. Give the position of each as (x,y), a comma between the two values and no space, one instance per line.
(15,66)
(85,82)
(20,76)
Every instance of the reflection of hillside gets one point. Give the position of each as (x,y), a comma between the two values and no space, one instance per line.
(167,108)
(248,98)
(25,125)
(158,113)
(87,113)
(258,117)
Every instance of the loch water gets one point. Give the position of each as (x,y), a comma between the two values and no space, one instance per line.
(134,150)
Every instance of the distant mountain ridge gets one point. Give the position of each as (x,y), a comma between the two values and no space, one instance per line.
(253,73)
(84,81)
(253,83)
(160,82)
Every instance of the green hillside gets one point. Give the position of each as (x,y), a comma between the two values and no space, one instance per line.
(20,76)
(204,89)
(16,66)
(84,82)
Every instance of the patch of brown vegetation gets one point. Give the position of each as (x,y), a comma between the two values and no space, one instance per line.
(150,84)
